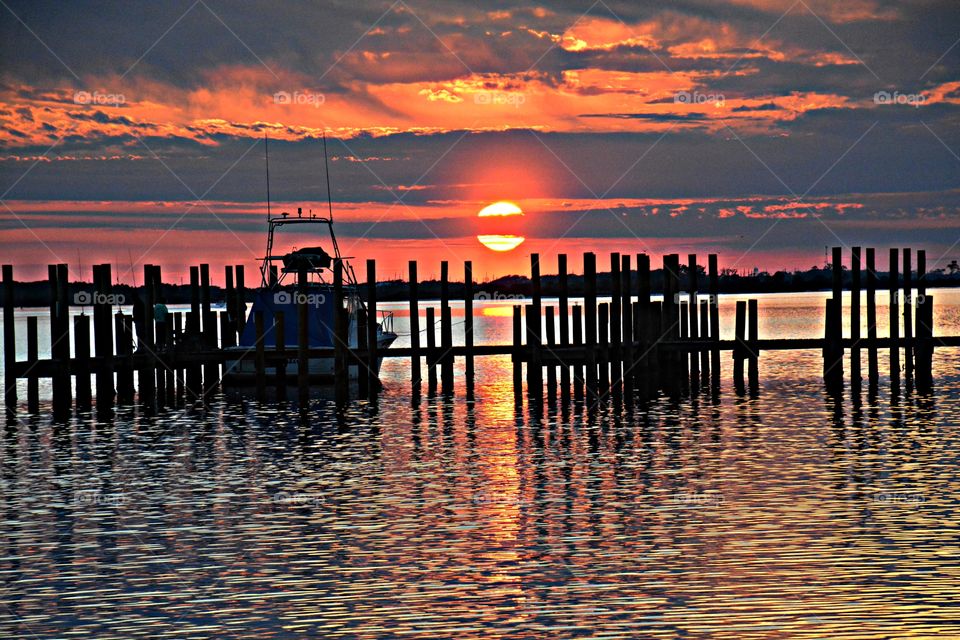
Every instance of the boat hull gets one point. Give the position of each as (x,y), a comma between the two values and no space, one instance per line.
(319,370)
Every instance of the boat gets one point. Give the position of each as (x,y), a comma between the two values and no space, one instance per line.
(280,291)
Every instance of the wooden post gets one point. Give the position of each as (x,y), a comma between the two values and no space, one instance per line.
(714,277)
(873,369)
(56,381)
(81,354)
(921,274)
(670,324)
(373,357)
(647,365)
(924,351)
(578,341)
(640,362)
(431,351)
(855,264)
(303,334)
(834,362)
(551,345)
(534,332)
(160,338)
(414,330)
(194,371)
(261,365)
(193,325)
(33,354)
(564,313)
(280,346)
(210,371)
(517,350)
(894,286)
(60,339)
(241,299)
(229,299)
(654,332)
(626,326)
(827,353)
(468,324)
(694,334)
(9,341)
(682,358)
(704,335)
(227,334)
(643,280)
(363,380)
(103,333)
(753,371)
(615,357)
(590,322)
(179,372)
(146,375)
(603,348)
(738,350)
(683,319)
(925,358)
(833,351)
(907,313)
(124,346)
(446,331)
(342,339)
(170,374)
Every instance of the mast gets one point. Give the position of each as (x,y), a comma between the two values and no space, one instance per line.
(326,170)
(333,238)
(266,156)
(265,267)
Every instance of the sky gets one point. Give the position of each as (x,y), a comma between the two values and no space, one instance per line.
(762,130)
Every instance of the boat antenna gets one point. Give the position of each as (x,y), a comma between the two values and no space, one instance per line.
(266,157)
(132,272)
(326,169)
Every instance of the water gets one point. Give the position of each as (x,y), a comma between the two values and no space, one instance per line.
(786,515)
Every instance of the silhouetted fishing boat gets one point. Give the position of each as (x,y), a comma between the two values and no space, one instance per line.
(279,292)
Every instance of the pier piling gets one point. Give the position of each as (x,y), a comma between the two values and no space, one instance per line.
(468,325)
(626,348)
(415,383)
(371,368)
(739,349)
(893,282)
(873,369)
(564,318)
(9,340)
(446,332)
(753,351)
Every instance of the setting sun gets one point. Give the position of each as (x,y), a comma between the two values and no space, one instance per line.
(500,241)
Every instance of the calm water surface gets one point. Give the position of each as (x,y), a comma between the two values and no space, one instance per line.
(786,515)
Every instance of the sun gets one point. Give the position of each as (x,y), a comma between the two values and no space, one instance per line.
(500,241)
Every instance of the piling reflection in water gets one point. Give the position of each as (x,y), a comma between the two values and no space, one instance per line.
(790,513)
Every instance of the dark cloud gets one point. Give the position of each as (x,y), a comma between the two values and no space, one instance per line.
(653,117)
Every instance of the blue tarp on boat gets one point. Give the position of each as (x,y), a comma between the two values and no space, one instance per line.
(319,318)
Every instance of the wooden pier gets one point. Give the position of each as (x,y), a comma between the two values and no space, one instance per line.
(631,347)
